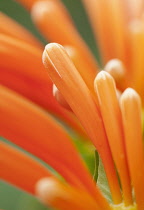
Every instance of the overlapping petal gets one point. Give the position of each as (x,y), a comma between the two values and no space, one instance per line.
(34,130)
(21,69)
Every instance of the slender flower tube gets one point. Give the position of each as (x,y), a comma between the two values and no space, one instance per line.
(106,16)
(106,91)
(137,46)
(131,112)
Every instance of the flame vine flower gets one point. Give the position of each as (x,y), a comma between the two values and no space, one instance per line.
(112,123)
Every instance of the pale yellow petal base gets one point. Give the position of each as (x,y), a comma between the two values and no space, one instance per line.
(123,207)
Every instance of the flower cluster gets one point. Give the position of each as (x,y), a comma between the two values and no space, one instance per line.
(65,80)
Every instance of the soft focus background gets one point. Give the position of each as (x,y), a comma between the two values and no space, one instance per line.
(10,197)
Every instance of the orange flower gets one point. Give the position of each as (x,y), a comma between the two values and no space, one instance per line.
(118,26)
(112,123)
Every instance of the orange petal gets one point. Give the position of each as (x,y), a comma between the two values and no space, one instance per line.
(19,169)
(108,22)
(33,129)
(53,20)
(63,197)
(27,3)
(97,12)
(81,66)
(132,122)
(21,69)
(137,48)
(69,82)
(13,29)
(15,51)
(110,110)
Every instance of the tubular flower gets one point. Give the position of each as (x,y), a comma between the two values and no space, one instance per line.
(67,83)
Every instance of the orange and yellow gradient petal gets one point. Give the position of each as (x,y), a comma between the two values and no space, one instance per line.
(111,115)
